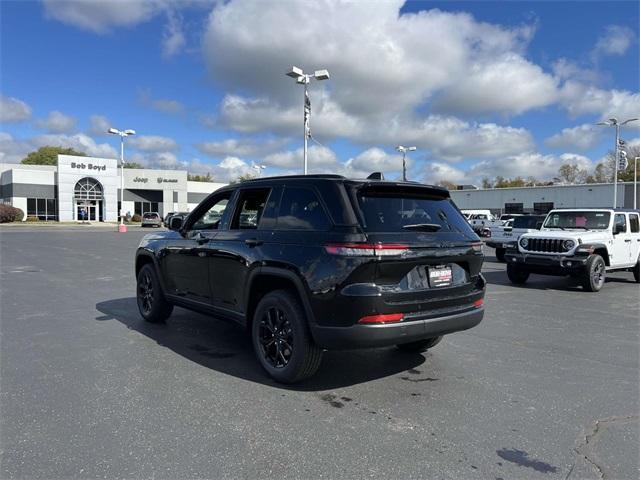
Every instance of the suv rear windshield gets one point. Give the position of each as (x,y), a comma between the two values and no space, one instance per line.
(389,211)
(150,215)
(528,222)
(588,220)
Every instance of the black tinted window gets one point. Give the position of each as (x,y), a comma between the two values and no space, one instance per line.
(527,222)
(250,207)
(300,209)
(634,223)
(621,222)
(389,212)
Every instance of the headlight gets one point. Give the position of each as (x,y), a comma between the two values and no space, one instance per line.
(568,244)
(524,242)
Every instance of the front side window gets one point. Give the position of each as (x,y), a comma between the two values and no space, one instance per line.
(620,223)
(300,209)
(251,204)
(584,220)
(210,220)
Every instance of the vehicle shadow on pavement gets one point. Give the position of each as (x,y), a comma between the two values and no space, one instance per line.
(545,282)
(225,347)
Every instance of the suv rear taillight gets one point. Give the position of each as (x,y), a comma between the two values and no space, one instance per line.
(366,249)
(387,318)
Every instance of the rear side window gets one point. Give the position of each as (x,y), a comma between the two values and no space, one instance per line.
(397,212)
(300,209)
(634,222)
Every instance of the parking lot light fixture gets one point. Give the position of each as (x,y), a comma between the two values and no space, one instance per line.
(404,150)
(122,228)
(302,78)
(613,122)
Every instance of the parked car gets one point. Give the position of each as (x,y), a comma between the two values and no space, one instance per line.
(503,237)
(319,262)
(167,217)
(151,219)
(582,243)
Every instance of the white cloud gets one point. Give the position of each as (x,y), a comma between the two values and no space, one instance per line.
(100,16)
(153,143)
(509,85)
(376,160)
(164,105)
(383,62)
(318,157)
(436,172)
(99,125)
(616,40)
(13,150)
(57,122)
(239,148)
(229,169)
(13,110)
(79,142)
(173,39)
(579,99)
(582,137)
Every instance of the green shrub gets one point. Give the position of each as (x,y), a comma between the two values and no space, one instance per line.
(9,213)
(33,219)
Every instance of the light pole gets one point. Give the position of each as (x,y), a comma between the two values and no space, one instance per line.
(613,122)
(304,79)
(635,182)
(122,228)
(259,169)
(404,151)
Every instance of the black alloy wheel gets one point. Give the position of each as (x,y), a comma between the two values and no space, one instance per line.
(594,274)
(152,304)
(276,337)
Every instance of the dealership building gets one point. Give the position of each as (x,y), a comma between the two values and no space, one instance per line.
(89,188)
(542,199)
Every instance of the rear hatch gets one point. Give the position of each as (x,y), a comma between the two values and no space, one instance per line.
(426,255)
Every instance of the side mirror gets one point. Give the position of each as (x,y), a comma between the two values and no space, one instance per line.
(617,228)
(175,223)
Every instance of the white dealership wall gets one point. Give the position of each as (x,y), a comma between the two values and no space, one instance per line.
(169,188)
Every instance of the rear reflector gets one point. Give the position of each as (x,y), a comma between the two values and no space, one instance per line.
(478,303)
(388,318)
(365,249)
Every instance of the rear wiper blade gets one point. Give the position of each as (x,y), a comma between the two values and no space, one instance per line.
(427,227)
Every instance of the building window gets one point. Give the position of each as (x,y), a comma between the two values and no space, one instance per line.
(141,208)
(513,208)
(42,208)
(542,208)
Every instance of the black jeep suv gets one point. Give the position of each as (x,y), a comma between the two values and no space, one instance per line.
(316,262)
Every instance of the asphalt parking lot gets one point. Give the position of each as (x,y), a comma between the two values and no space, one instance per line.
(545,387)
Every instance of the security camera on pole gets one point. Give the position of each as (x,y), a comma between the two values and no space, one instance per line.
(122,228)
(613,122)
(304,79)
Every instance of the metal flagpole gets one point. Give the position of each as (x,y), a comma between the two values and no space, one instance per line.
(307,113)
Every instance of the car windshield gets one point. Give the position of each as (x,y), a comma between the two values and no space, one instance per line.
(397,212)
(584,220)
(527,222)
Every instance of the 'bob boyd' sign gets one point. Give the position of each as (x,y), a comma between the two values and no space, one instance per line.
(88,166)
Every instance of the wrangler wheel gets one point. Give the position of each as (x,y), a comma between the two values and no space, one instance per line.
(594,274)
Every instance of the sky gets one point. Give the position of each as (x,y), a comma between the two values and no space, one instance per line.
(480,88)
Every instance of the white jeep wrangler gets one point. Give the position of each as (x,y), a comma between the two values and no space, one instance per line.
(583,243)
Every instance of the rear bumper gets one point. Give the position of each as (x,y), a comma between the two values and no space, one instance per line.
(367,336)
(547,264)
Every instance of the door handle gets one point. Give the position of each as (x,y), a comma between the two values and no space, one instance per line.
(253,242)
(628,240)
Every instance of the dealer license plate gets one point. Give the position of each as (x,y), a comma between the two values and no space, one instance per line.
(440,276)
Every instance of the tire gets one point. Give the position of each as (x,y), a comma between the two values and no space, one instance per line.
(516,274)
(281,338)
(500,254)
(420,345)
(636,271)
(594,274)
(152,305)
